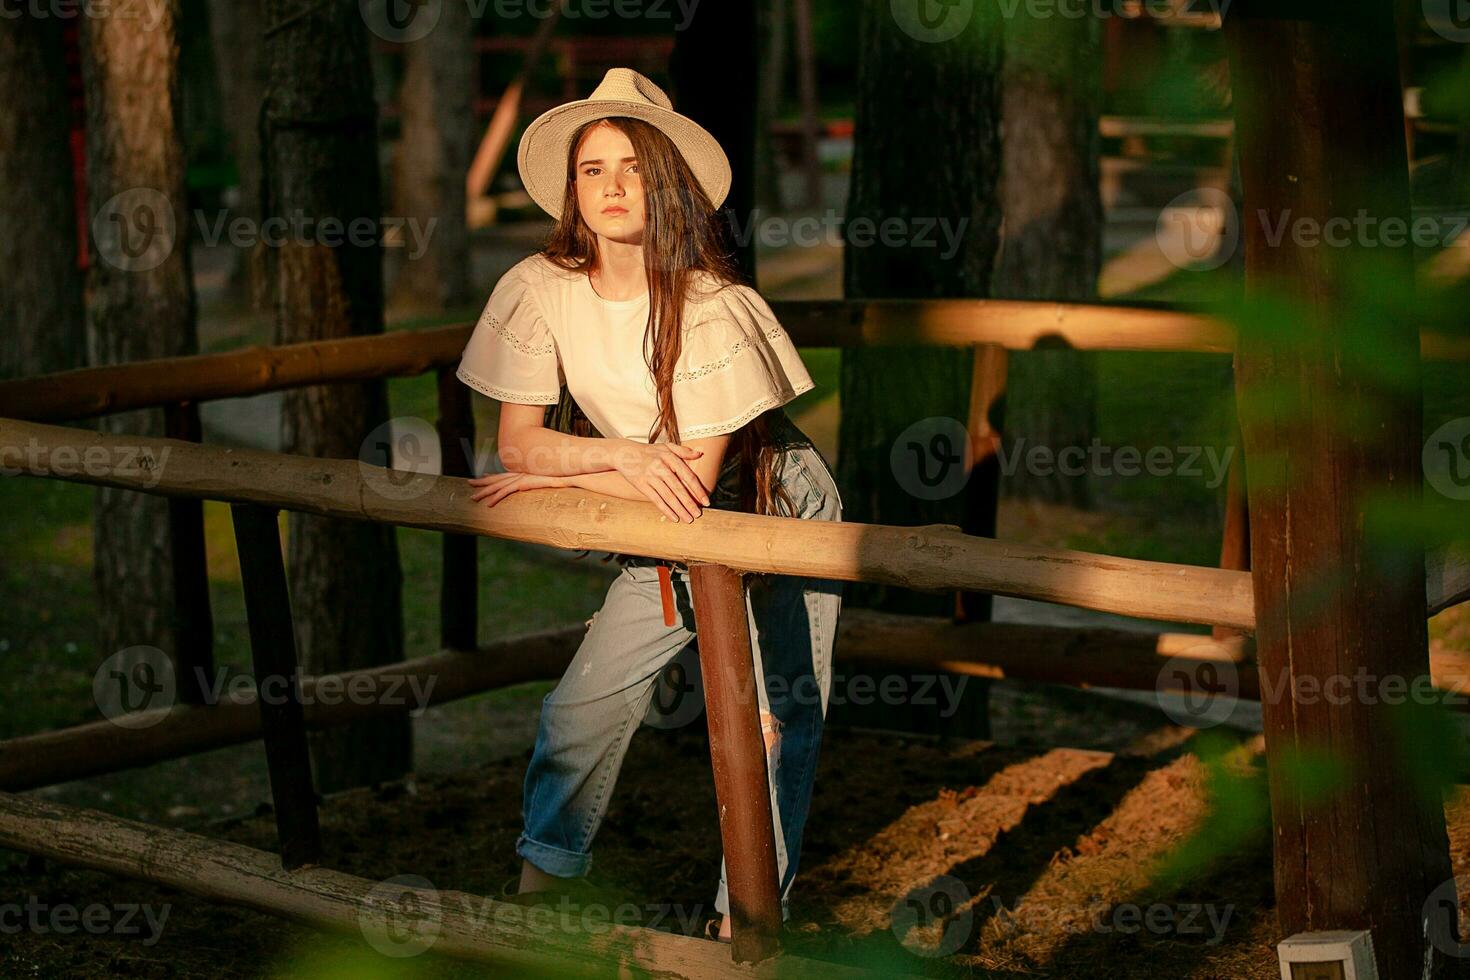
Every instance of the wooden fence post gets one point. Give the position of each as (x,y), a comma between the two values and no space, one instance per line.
(1331,414)
(982,502)
(193,655)
(459,590)
(273,650)
(738,755)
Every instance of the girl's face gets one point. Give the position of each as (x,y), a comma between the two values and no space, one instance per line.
(609,188)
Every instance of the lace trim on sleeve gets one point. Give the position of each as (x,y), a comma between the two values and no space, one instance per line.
(773,334)
(730,425)
(547,349)
(501,394)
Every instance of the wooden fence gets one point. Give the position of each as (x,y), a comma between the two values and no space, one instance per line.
(718,548)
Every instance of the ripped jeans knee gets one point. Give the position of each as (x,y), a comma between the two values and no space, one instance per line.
(771,731)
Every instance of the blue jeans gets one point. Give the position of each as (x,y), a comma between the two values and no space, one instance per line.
(632,669)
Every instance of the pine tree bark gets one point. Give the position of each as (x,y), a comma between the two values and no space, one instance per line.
(42,323)
(923,222)
(1052,240)
(139,298)
(912,87)
(320,134)
(432,160)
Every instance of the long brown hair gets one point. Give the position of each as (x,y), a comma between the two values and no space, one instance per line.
(680,239)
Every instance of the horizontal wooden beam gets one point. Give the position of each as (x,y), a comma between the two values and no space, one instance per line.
(450,923)
(391,690)
(935,557)
(1014,324)
(87,392)
(1060,655)
(1077,656)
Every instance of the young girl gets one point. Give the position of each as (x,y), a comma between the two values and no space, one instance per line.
(683,370)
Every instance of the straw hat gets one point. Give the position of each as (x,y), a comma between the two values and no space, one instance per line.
(542,156)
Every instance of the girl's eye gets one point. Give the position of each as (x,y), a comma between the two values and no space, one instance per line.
(633,168)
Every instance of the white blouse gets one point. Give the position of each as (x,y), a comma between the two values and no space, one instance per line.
(545,326)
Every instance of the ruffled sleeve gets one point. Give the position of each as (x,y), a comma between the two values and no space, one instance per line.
(511,355)
(736,361)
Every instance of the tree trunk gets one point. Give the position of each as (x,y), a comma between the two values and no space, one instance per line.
(924,188)
(714,83)
(922,221)
(432,160)
(42,323)
(1052,241)
(140,296)
(1331,414)
(322,166)
(772,19)
(806,85)
(237,31)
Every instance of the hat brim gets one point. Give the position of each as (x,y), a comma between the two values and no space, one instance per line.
(541,157)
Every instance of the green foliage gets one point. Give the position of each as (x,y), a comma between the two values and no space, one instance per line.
(1238,818)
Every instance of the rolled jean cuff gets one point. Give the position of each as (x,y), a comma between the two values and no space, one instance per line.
(554,861)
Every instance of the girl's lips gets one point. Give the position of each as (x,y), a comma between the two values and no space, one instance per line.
(614,211)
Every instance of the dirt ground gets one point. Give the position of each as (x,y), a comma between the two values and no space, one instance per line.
(922,857)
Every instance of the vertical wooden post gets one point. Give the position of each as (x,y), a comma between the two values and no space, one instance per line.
(1332,426)
(193,620)
(987,403)
(273,651)
(982,500)
(459,588)
(738,755)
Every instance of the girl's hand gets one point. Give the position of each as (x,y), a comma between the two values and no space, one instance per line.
(661,472)
(497,486)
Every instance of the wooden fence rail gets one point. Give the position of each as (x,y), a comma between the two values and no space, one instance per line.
(935,557)
(1078,657)
(1012,324)
(450,923)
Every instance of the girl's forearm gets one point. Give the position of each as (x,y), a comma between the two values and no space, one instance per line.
(547,452)
(614,484)
(610,482)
